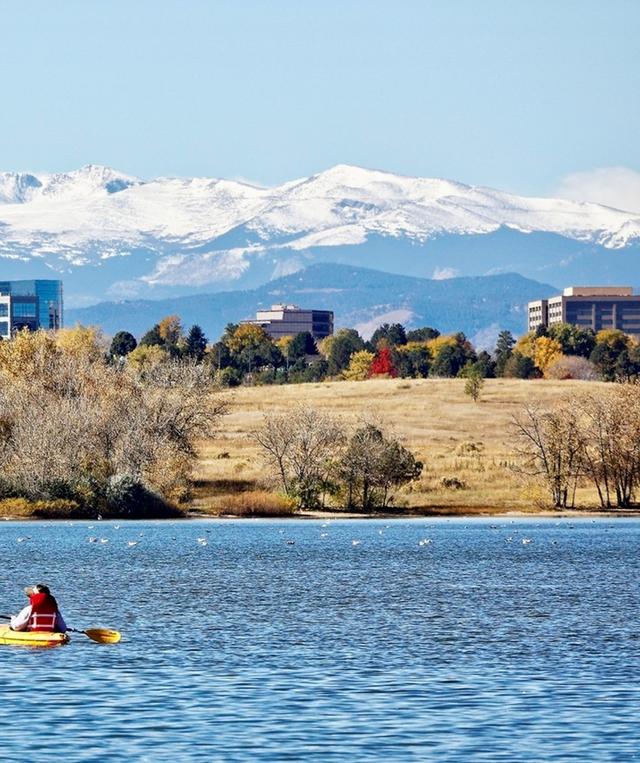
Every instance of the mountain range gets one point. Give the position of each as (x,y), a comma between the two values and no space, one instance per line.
(360,297)
(109,235)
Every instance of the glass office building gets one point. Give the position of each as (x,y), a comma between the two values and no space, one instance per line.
(30,304)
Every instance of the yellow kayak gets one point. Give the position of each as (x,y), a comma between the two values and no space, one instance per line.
(31,638)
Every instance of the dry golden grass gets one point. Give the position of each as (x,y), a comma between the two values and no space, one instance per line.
(452,435)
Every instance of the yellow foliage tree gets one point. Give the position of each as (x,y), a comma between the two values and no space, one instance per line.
(247,335)
(147,357)
(324,346)
(170,329)
(27,353)
(82,341)
(547,351)
(526,345)
(359,366)
(444,340)
(613,338)
(283,344)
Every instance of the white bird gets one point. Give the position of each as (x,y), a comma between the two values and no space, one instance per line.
(380,532)
(526,540)
(104,540)
(132,543)
(21,540)
(116,527)
(93,539)
(203,542)
(324,535)
(290,542)
(425,542)
(356,542)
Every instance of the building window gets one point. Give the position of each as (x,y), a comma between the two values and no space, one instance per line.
(24,309)
(4,328)
(4,309)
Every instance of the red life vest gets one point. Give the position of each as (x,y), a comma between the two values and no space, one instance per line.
(43,613)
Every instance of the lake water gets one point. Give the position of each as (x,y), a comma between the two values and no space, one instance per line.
(288,641)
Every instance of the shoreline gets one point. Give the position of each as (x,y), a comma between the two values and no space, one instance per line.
(463,513)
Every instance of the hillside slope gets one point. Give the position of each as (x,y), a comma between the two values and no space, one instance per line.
(359,297)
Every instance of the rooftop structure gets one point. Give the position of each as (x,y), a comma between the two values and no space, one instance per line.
(289,320)
(592,307)
(32,304)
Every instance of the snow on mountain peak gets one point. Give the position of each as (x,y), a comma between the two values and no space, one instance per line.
(21,188)
(209,227)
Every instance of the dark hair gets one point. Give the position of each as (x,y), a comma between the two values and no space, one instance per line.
(45,590)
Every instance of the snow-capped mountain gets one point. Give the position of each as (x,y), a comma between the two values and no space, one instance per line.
(109,234)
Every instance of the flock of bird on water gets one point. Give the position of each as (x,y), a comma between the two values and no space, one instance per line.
(201,541)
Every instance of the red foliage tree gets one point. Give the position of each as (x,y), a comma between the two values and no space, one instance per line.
(383,364)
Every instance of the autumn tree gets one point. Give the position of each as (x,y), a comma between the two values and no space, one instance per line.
(359,366)
(550,445)
(382,364)
(300,446)
(372,465)
(546,352)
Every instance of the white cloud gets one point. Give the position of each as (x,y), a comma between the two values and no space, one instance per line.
(617,187)
(441,274)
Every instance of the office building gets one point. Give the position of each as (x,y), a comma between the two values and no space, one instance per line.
(289,320)
(591,307)
(33,304)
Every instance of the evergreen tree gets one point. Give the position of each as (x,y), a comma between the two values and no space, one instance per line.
(301,345)
(504,350)
(122,344)
(394,335)
(196,343)
(422,334)
(152,338)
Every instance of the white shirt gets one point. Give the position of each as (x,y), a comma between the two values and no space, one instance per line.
(20,621)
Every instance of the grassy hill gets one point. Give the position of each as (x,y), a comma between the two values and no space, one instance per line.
(451,434)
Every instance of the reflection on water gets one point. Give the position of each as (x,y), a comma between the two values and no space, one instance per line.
(284,640)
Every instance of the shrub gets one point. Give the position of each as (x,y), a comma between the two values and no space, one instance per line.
(127,497)
(57,509)
(259,503)
(572,367)
(453,483)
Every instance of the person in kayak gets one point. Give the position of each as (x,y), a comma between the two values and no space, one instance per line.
(41,614)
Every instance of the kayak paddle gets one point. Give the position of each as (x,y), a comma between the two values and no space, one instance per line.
(99,635)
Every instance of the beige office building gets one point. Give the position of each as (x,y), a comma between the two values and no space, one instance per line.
(592,307)
(289,320)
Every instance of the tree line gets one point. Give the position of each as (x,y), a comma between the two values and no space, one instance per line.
(245,353)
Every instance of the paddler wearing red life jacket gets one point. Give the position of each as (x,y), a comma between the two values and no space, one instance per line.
(41,614)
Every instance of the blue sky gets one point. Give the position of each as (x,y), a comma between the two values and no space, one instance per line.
(515,95)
